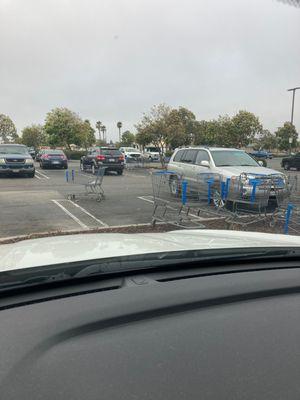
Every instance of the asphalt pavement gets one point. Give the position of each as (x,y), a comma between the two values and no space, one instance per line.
(41,204)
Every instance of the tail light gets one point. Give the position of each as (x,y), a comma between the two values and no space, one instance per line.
(45,156)
(100,158)
(121,158)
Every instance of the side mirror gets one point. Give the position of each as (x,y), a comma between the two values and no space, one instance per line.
(205,163)
(261,163)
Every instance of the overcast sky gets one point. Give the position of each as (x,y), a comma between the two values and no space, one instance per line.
(111,60)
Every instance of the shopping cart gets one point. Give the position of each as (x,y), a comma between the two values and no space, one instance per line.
(287,214)
(92,188)
(247,199)
(173,199)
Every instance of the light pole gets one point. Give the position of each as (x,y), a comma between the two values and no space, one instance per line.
(293,101)
(292,114)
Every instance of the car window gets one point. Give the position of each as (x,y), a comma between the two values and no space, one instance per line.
(202,156)
(13,150)
(178,155)
(189,156)
(110,152)
(230,158)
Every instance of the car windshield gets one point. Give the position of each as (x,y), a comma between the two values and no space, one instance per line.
(13,150)
(232,158)
(146,117)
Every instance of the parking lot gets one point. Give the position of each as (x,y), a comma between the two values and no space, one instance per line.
(41,204)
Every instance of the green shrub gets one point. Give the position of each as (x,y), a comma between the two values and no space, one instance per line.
(74,155)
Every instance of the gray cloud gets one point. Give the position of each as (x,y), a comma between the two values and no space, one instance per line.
(113,59)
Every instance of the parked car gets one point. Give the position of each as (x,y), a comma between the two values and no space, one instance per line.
(53,159)
(291,162)
(152,153)
(189,162)
(131,154)
(261,154)
(32,152)
(15,159)
(110,158)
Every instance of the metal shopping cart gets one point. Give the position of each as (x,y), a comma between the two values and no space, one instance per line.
(287,214)
(92,188)
(248,199)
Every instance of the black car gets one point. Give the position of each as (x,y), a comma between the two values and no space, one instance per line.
(291,162)
(16,160)
(32,152)
(110,158)
(53,159)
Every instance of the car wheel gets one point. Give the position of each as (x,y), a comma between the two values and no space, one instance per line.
(120,172)
(31,175)
(82,167)
(286,167)
(217,200)
(93,169)
(174,186)
(65,166)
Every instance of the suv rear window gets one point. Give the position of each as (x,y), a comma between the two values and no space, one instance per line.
(178,155)
(110,152)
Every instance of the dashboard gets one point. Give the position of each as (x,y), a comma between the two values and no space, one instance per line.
(225,333)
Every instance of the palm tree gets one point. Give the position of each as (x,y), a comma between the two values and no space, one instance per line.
(103,130)
(98,127)
(119,125)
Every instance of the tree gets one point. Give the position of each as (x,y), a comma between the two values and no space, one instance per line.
(245,127)
(98,127)
(128,139)
(154,128)
(283,134)
(34,136)
(182,127)
(103,130)
(8,131)
(87,134)
(64,127)
(267,141)
(119,125)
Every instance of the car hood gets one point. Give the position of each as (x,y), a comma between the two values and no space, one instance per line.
(133,153)
(237,170)
(15,156)
(72,248)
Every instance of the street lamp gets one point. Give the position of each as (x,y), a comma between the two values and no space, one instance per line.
(293,101)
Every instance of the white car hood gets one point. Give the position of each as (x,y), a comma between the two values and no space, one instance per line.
(70,248)
(237,170)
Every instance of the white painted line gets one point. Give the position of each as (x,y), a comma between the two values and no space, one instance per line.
(145,199)
(89,214)
(71,215)
(36,176)
(43,175)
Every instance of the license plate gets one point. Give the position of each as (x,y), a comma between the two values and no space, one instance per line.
(15,170)
(55,162)
(111,160)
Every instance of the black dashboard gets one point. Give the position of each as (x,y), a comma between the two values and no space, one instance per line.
(227,333)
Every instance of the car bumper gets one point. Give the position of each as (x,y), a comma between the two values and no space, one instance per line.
(111,166)
(54,164)
(16,169)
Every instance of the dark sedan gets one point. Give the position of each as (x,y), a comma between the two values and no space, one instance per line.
(53,159)
(110,158)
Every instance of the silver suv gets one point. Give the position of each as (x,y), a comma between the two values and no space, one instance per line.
(189,162)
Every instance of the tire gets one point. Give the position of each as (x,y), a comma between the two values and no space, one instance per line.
(82,167)
(120,172)
(286,167)
(31,175)
(65,167)
(174,186)
(217,200)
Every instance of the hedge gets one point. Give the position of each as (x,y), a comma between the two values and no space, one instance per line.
(74,155)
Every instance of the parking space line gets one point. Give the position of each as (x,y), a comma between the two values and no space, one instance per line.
(88,213)
(145,199)
(36,176)
(43,175)
(71,215)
